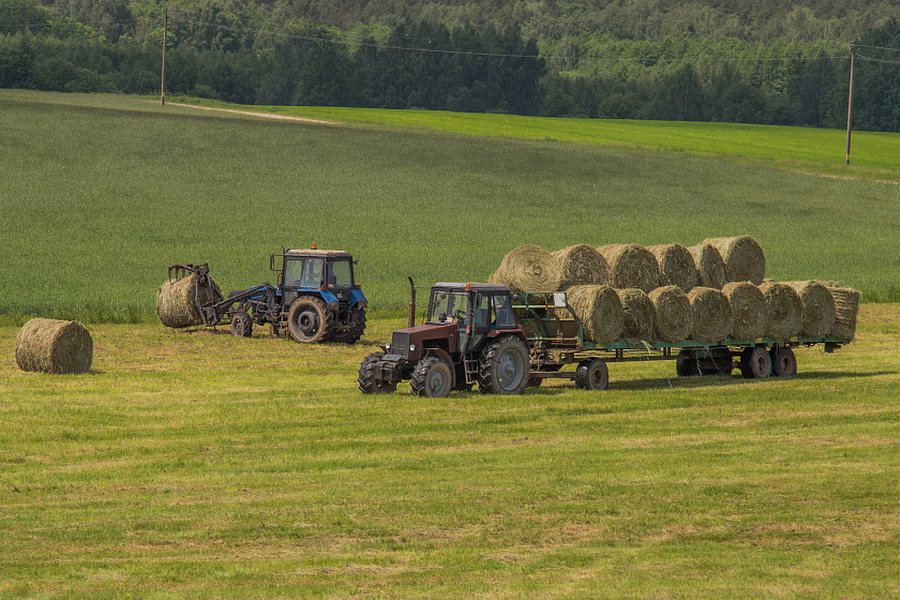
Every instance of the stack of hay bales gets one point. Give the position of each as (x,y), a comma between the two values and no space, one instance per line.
(631,266)
(53,346)
(176,302)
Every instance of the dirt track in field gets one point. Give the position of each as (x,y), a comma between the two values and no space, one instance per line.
(257,114)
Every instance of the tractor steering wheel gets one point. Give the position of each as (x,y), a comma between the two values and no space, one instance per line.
(459,315)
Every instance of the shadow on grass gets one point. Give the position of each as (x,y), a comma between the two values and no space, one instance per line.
(724,380)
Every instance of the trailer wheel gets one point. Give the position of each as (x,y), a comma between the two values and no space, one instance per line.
(592,375)
(309,320)
(686,365)
(784,362)
(241,325)
(432,378)
(366,378)
(756,363)
(504,366)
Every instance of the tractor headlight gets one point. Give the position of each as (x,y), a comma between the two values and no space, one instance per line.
(412,347)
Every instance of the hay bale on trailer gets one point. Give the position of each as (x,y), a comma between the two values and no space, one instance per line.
(710,266)
(748,305)
(784,310)
(846,305)
(817,318)
(582,265)
(639,315)
(711,313)
(529,268)
(676,266)
(674,320)
(176,301)
(600,310)
(631,266)
(744,258)
(54,346)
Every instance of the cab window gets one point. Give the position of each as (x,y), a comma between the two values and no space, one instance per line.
(293,272)
(482,313)
(312,273)
(448,306)
(503,314)
(339,274)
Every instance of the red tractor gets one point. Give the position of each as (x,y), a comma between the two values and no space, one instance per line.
(469,336)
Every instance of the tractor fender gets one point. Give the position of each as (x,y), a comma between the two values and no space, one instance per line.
(516,331)
(358,299)
(329,299)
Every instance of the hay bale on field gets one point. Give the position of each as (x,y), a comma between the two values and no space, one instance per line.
(530,268)
(784,310)
(676,266)
(176,304)
(674,320)
(710,266)
(846,305)
(743,256)
(639,315)
(748,305)
(631,266)
(711,313)
(600,310)
(818,314)
(53,346)
(582,265)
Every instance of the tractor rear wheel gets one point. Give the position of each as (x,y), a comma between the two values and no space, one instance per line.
(505,364)
(432,378)
(366,380)
(309,320)
(352,335)
(241,325)
(756,363)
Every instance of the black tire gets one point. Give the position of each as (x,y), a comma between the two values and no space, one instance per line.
(756,363)
(352,335)
(504,366)
(784,362)
(432,378)
(592,375)
(309,320)
(722,361)
(241,325)
(366,378)
(686,365)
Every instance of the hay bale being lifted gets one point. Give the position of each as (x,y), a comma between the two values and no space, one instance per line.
(710,266)
(176,302)
(53,346)
(673,314)
(817,318)
(600,310)
(711,313)
(530,269)
(631,266)
(581,265)
(639,315)
(784,310)
(676,266)
(846,305)
(743,256)
(748,305)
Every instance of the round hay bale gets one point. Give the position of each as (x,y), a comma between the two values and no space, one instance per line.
(784,310)
(711,313)
(674,320)
(175,302)
(676,266)
(743,256)
(818,314)
(530,269)
(582,265)
(600,310)
(631,266)
(53,346)
(710,266)
(748,305)
(846,305)
(639,315)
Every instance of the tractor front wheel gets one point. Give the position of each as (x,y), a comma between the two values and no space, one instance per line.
(309,320)
(505,366)
(368,384)
(241,325)
(432,378)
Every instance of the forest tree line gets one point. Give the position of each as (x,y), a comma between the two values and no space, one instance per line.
(648,59)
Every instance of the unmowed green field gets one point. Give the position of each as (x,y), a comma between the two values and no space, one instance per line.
(101,193)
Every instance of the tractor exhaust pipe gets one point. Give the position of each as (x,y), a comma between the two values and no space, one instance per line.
(411,309)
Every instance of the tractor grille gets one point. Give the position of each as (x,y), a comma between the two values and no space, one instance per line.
(400,344)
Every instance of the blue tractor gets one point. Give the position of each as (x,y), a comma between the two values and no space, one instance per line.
(316,298)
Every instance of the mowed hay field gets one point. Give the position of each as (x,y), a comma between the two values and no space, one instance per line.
(100,194)
(196,465)
(193,464)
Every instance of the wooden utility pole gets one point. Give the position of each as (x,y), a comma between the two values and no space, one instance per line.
(850,103)
(165,43)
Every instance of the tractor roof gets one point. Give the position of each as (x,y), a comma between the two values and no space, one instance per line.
(481,287)
(316,252)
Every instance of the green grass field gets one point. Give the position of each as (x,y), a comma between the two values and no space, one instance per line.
(195,465)
(101,193)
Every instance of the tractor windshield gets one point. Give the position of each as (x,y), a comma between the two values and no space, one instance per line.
(448,306)
(340,274)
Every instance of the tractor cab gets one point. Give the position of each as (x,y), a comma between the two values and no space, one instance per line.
(476,308)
